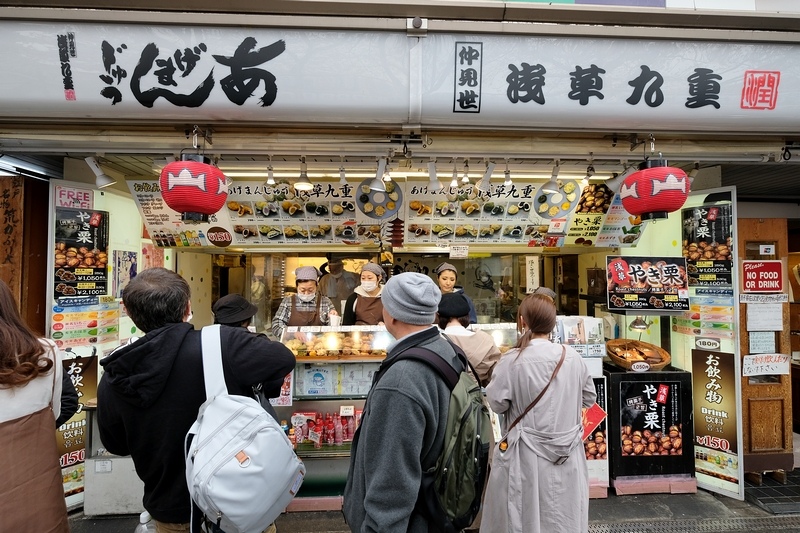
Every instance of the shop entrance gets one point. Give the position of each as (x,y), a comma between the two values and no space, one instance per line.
(766,400)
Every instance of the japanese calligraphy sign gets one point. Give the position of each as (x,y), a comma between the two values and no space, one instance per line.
(81,252)
(468,74)
(71,436)
(715,418)
(11,195)
(647,283)
(108,71)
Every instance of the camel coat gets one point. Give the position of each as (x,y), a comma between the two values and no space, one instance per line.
(527,491)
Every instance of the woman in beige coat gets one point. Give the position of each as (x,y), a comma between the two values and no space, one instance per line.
(538,480)
(478,346)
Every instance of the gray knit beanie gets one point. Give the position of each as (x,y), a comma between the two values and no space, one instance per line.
(412,298)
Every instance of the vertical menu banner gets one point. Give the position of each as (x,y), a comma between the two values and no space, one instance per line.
(71,436)
(715,413)
(81,252)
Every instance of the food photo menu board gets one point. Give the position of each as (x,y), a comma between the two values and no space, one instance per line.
(465,215)
(256,213)
(81,252)
(351,213)
(647,283)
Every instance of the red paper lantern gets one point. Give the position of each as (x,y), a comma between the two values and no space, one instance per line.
(655,190)
(194,187)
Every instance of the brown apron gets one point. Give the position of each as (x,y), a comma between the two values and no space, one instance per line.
(369,311)
(304,318)
(32,492)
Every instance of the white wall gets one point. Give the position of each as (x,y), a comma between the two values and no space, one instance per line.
(195,268)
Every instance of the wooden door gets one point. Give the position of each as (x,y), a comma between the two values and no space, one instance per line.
(766,400)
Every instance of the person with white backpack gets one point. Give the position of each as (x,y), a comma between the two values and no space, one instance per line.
(152,389)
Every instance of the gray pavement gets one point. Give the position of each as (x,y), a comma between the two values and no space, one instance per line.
(647,513)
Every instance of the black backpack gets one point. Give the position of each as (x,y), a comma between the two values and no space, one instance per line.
(451,491)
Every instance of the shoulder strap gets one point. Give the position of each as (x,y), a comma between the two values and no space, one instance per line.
(213,375)
(539,397)
(446,371)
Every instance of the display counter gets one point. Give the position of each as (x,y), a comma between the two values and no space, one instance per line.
(332,377)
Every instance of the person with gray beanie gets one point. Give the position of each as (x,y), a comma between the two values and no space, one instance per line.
(402,427)
(364,307)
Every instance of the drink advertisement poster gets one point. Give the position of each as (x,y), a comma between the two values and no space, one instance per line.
(71,436)
(81,252)
(647,283)
(716,451)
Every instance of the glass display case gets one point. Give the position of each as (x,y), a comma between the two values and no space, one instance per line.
(504,334)
(332,377)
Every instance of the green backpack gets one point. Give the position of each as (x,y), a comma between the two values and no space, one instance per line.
(450,494)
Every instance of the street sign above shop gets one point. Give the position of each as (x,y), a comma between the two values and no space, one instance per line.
(164,73)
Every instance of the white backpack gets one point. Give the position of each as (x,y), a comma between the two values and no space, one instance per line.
(241,469)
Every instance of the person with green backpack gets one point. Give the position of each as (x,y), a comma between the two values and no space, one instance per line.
(408,458)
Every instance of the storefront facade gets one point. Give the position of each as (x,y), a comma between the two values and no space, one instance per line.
(467,88)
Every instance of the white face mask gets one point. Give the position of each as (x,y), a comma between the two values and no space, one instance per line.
(306,297)
(369,286)
(188,317)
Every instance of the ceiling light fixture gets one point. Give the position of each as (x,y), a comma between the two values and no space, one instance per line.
(589,174)
(507,181)
(387,175)
(616,181)
(377,182)
(485,184)
(433,183)
(342,176)
(465,177)
(454,181)
(551,185)
(101,180)
(270,175)
(693,173)
(303,183)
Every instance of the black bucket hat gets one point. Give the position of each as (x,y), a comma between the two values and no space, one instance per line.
(232,308)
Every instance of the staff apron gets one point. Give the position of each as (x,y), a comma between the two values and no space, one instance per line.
(304,318)
(369,311)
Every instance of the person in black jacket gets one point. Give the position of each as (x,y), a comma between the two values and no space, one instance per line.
(69,400)
(152,388)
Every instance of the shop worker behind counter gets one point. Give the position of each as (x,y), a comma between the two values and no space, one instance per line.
(152,388)
(447,277)
(307,307)
(405,415)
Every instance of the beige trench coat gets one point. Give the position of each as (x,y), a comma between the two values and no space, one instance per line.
(527,491)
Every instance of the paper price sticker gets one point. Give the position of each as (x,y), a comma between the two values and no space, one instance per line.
(347,410)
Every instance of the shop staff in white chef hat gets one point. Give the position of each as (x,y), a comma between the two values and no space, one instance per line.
(307,307)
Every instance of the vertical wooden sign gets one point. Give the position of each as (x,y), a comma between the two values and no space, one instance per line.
(11,231)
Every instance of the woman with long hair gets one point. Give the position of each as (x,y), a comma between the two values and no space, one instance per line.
(32,493)
(539,481)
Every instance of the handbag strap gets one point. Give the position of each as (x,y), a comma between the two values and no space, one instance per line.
(539,397)
(213,376)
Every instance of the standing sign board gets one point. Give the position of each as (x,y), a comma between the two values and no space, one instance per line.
(717,454)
